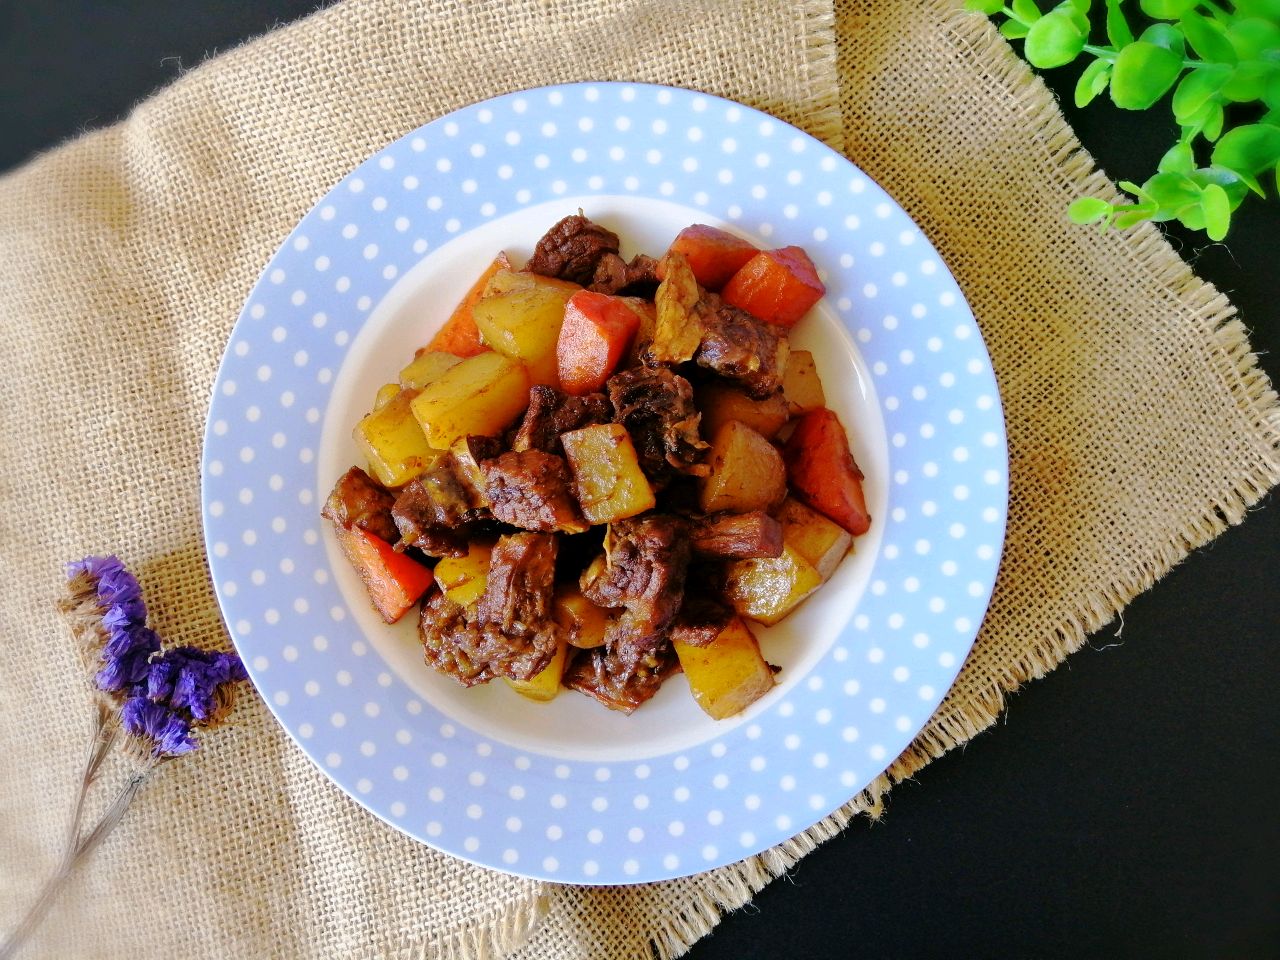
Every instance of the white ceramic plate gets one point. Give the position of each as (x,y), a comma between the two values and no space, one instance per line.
(569,791)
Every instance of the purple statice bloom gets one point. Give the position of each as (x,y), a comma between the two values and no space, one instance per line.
(126,656)
(168,731)
(118,591)
(188,678)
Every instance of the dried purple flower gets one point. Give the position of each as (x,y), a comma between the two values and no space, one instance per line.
(167,732)
(125,657)
(189,679)
(118,591)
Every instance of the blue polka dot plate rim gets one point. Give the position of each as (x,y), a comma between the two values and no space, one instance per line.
(569,791)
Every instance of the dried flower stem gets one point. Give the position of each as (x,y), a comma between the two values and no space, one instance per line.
(77,854)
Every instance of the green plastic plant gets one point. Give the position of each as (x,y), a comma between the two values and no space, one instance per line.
(1222,62)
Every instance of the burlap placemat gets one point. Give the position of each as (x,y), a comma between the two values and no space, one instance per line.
(1138,425)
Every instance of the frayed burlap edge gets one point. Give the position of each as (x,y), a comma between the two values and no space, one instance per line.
(489,936)
(956,722)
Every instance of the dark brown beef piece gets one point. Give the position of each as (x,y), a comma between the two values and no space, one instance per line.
(360,501)
(516,605)
(571,249)
(741,348)
(433,512)
(532,490)
(621,679)
(643,571)
(737,536)
(551,413)
(457,643)
(451,644)
(701,618)
(614,275)
(656,407)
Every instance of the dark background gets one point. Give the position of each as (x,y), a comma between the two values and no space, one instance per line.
(1125,806)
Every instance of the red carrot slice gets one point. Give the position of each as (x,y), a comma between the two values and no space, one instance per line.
(715,255)
(596,332)
(822,472)
(779,286)
(394,582)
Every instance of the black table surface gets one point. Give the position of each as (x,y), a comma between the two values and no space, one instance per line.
(1126,805)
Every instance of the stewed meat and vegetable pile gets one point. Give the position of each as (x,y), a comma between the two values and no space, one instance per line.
(600,470)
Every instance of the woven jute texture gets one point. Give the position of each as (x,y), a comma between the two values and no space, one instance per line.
(1139,428)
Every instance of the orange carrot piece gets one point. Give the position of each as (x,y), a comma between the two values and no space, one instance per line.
(596,332)
(394,582)
(459,335)
(779,286)
(713,254)
(822,472)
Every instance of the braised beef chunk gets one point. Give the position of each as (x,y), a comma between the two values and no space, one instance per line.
(551,413)
(516,604)
(571,250)
(360,501)
(656,407)
(434,513)
(739,347)
(702,617)
(451,644)
(616,276)
(621,679)
(532,490)
(737,536)
(643,571)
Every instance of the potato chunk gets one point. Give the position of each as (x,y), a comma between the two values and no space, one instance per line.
(800,383)
(524,321)
(769,588)
(425,367)
(727,675)
(821,541)
(581,620)
(720,403)
(611,486)
(464,579)
(481,395)
(746,472)
(392,440)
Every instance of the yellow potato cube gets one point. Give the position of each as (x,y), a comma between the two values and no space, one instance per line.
(386,393)
(464,579)
(720,403)
(769,588)
(582,621)
(545,684)
(820,541)
(606,471)
(425,367)
(746,472)
(800,383)
(392,441)
(481,395)
(524,323)
(728,674)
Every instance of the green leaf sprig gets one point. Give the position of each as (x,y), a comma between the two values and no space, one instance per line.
(1215,56)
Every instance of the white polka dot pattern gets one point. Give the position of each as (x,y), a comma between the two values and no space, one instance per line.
(700,806)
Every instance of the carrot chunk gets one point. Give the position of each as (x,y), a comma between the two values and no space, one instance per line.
(596,333)
(822,472)
(778,286)
(459,335)
(394,582)
(715,255)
